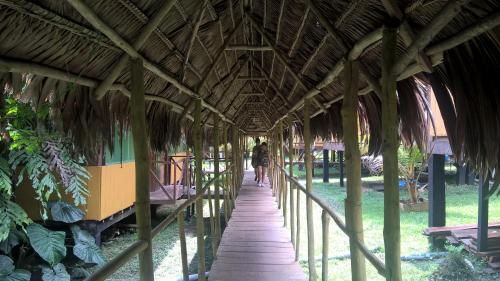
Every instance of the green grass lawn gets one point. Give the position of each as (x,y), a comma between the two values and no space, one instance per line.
(461,208)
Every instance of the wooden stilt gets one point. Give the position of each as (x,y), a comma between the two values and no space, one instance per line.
(326,166)
(198,156)
(392,236)
(354,220)
(437,197)
(341,167)
(142,206)
(309,207)
(482,218)
(217,181)
(290,171)
(297,236)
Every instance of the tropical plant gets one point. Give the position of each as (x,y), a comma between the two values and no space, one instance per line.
(410,160)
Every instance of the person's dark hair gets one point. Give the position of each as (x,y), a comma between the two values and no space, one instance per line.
(257,140)
(264,144)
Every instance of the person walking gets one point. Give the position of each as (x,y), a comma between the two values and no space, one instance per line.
(255,157)
(263,163)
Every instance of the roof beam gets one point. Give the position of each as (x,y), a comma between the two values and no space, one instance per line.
(151,26)
(296,41)
(251,78)
(17,66)
(280,57)
(248,48)
(392,8)
(335,35)
(448,13)
(93,19)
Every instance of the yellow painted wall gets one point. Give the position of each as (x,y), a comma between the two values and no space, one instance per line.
(438,119)
(180,157)
(112,189)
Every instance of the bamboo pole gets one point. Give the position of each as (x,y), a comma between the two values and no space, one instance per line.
(198,155)
(390,157)
(309,207)
(297,237)
(292,203)
(234,160)
(325,219)
(354,220)
(142,207)
(282,175)
(217,181)
(143,36)
(182,238)
(212,224)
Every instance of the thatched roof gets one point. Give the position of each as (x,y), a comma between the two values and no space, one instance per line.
(201,49)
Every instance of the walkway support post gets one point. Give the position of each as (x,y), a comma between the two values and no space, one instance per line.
(390,156)
(198,152)
(217,181)
(142,206)
(290,171)
(309,207)
(226,177)
(182,238)
(353,210)
(234,159)
(325,220)
(282,173)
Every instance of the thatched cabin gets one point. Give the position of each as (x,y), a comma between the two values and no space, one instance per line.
(257,66)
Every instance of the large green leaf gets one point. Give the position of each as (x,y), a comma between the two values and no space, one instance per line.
(10,214)
(85,247)
(56,273)
(9,273)
(62,211)
(15,237)
(48,244)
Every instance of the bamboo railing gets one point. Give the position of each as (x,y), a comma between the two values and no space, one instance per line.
(327,212)
(140,245)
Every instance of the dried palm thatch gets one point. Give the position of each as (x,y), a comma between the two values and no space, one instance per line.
(278,53)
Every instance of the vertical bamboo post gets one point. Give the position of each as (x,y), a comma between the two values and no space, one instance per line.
(198,153)
(217,181)
(325,219)
(353,202)
(279,135)
(226,175)
(213,231)
(282,173)
(290,171)
(234,159)
(309,207)
(182,238)
(297,237)
(142,206)
(390,157)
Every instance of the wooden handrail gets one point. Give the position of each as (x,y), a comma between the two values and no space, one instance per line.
(118,261)
(173,216)
(374,260)
(139,246)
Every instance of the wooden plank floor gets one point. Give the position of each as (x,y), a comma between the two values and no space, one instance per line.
(255,245)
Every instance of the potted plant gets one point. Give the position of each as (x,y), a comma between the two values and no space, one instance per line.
(410,166)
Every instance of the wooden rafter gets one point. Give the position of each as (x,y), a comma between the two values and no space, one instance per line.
(248,48)
(93,19)
(407,33)
(140,41)
(299,34)
(281,58)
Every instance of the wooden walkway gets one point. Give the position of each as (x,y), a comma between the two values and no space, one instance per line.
(255,245)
